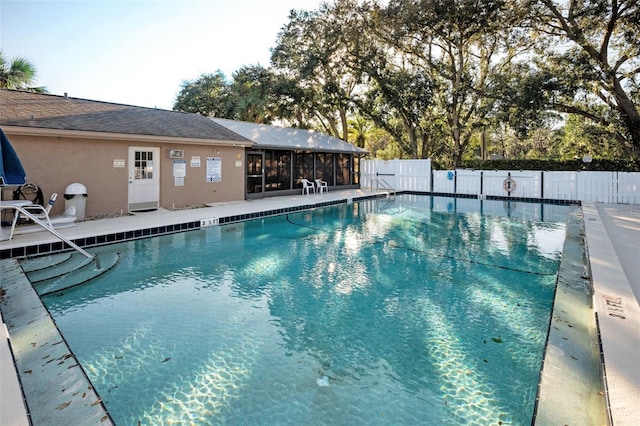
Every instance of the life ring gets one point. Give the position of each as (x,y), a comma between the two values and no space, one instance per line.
(509,185)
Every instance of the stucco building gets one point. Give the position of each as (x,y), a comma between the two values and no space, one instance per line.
(133,158)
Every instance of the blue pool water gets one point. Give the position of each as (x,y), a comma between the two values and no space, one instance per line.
(416,310)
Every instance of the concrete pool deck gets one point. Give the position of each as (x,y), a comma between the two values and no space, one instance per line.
(613,243)
(613,240)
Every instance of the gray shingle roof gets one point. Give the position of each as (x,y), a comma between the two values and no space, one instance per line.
(25,109)
(265,136)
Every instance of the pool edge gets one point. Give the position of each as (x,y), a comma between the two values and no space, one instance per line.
(618,317)
(601,281)
(570,389)
(53,386)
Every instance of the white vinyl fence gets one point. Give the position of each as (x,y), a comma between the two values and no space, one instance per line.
(401,175)
(416,175)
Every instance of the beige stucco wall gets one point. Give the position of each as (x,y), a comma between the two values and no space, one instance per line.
(54,162)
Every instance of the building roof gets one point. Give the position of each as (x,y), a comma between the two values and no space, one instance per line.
(266,136)
(43,111)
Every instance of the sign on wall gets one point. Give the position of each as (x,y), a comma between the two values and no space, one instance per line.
(179,172)
(179,168)
(214,169)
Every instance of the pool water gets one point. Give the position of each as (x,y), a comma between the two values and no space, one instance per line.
(414,310)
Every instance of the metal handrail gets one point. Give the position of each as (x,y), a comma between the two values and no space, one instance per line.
(58,235)
(385,185)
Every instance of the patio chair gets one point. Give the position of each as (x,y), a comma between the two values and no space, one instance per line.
(22,207)
(322,186)
(38,211)
(306,186)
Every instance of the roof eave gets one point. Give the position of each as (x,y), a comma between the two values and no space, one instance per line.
(258,145)
(84,134)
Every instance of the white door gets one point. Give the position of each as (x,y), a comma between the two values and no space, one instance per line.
(144,178)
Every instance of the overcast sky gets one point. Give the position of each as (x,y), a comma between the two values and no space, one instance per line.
(139,51)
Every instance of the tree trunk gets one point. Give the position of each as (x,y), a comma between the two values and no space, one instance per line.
(345,125)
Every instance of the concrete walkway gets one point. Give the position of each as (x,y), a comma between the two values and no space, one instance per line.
(613,243)
(613,239)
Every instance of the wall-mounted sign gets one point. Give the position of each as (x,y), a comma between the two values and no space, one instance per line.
(179,168)
(195,161)
(214,169)
(176,153)
(117,162)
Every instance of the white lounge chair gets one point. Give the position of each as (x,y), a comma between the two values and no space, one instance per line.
(24,207)
(65,220)
(307,185)
(37,211)
(42,212)
(322,186)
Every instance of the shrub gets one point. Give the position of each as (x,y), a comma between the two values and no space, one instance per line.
(619,165)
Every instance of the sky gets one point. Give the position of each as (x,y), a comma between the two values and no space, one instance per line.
(138,52)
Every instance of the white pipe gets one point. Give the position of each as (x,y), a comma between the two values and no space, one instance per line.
(59,235)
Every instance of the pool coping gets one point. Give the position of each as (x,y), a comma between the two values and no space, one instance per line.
(569,375)
(623,396)
(616,307)
(55,387)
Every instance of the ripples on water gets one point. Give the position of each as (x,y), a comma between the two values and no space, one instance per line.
(397,312)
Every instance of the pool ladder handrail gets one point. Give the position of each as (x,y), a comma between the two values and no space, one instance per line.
(59,235)
(380,182)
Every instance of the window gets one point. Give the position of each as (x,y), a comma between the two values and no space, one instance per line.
(254,172)
(343,169)
(144,165)
(277,170)
(355,175)
(324,167)
(303,167)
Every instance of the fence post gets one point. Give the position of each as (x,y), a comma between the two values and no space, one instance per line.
(455,181)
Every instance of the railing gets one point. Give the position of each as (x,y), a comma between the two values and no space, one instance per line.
(385,185)
(58,235)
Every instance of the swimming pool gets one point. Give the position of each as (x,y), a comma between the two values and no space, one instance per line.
(418,309)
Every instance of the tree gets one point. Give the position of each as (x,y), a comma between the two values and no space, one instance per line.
(311,59)
(459,45)
(589,51)
(247,97)
(359,130)
(521,99)
(250,95)
(334,67)
(207,95)
(18,73)
(398,101)
(580,136)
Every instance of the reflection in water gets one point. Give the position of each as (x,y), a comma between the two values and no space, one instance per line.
(418,310)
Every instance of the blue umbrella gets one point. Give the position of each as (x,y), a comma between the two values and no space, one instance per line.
(11,170)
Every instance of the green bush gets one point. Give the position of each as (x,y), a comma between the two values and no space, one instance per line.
(601,165)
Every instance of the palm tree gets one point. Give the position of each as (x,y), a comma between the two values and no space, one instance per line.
(19,74)
(359,130)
